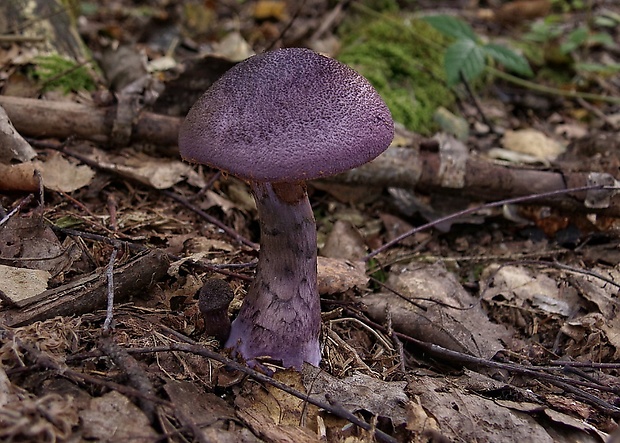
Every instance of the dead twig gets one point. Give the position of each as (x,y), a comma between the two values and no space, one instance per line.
(287,27)
(20,204)
(43,360)
(476,102)
(469,211)
(82,207)
(333,409)
(136,247)
(214,221)
(136,376)
(585,364)
(192,347)
(109,273)
(572,269)
(535,372)
(176,197)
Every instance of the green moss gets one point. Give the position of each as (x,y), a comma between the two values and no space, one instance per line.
(407,72)
(56,72)
(382,5)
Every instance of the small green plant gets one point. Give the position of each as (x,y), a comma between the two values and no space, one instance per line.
(376,271)
(583,36)
(467,56)
(553,42)
(56,72)
(568,5)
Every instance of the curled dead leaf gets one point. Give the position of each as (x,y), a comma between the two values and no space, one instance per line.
(338,275)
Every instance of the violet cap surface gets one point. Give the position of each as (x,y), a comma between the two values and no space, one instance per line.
(287,115)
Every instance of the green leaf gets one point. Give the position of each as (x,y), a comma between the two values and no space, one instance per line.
(575,39)
(611,69)
(608,19)
(602,38)
(605,21)
(451,26)
(68,221)
(463,57)
(509,59)
(542,32)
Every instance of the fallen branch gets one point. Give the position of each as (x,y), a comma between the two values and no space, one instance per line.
(136,376)
(456,215)
(203,351)
(41,118)
(190,346)
(412,168)
(452,357)
(89,293)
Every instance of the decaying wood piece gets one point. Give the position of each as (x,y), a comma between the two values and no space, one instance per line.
(40,118)
(12,145)
(48,24)
(19,177)
(88,293)
(413,168)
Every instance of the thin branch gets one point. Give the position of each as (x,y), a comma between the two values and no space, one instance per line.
(199,350)
(24,201)
(535,372)
(229,231)
(109,273)
(469,211)
(551,91)
(136,247)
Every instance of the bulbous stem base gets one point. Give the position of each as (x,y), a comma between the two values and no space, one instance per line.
(281,314)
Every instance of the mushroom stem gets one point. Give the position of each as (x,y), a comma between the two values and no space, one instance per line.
(281,314)
(213,300)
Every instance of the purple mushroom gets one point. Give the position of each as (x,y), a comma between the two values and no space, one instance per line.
(276,120)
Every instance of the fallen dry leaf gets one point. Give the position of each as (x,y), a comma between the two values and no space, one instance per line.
(600,292)
(337,275)
(233,47)
(30,243)
(275,415)
(464,417)
(534,143)
(114,418)
(344,241)
(203,410)
(160,173)
(19,283)
(270,9)
(420,421)
(60,174)
(359,392)
(521,286)
(440,311)
(577,425)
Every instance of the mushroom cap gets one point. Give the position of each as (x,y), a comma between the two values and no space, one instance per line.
(287,115)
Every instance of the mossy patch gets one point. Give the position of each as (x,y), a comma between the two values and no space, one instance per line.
(393,54)
(55,72)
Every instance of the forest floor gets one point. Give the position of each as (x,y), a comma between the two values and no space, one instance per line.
(497,319)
